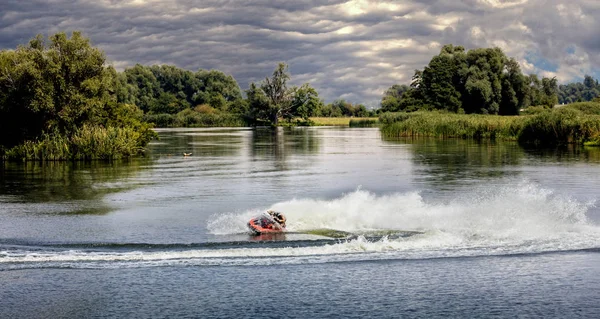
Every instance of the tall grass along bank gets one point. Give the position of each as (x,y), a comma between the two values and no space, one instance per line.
(546,128)
(341,121)
(86,143)
(449,125)
(190,118)
(368,122)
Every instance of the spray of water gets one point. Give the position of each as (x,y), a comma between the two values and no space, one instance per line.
(518,212)
(518,218)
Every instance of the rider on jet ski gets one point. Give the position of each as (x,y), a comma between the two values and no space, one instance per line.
(278,217)
(271,222)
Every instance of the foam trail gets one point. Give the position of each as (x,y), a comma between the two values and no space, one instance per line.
(519,218)
(514,212)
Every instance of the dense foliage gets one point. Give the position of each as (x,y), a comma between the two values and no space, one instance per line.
(272,99)
(483,81)
(58,100)
(168,89)
(586,91)
(58,89)
(341,108)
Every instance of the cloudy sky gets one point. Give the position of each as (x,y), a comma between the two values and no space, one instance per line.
(346,49)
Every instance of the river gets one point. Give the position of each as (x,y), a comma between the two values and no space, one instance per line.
(501,231)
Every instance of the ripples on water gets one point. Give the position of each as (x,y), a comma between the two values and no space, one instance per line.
(167,210)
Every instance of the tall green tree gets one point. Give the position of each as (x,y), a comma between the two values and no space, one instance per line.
(391,101)
(584,91)
(274,100)
(217,89)
(481,80)
(169,89)
(56,87)
(51,87)
(276,90)
(439,80)
(514,89)
(140,87)
(305,102)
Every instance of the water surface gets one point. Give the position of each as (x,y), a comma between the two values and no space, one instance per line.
(505,231)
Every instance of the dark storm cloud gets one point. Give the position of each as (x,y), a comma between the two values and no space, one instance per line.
(346,49)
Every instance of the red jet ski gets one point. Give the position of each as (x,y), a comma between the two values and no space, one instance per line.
(271,222)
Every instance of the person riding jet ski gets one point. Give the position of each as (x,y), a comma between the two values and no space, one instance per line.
(271,222)
(278,217)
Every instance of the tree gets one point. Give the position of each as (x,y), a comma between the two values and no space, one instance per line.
(275,88)
(149,86)
(217,86)
(258,103)
(274,100)
(483,85)
(58,86)
(549,92)
(481,80)
(305,102)
(582,91)
(391,101)
(514,89)
(439,80)
(52,87)
(140,87)
(330,110)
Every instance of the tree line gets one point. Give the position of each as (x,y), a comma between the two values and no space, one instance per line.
(166,89)
(59,97)
(584,91)
(483,81)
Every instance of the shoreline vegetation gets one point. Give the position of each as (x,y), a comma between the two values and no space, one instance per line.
(59,100)
(578,123)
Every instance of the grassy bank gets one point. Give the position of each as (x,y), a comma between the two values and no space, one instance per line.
(449,125)
(364,122)
(545,128)
(341,121)
(190,118)
(87,143)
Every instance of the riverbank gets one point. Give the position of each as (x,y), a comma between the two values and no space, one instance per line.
(342,121)
(566,125)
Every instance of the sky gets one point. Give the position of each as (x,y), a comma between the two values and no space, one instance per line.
(352,50)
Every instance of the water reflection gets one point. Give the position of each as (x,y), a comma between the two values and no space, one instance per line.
(214,142)
(444,163)
(64,181)
(268,237)
(567,153)
(71,188)
(280,144)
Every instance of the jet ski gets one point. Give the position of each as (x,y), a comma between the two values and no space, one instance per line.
(265,224)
